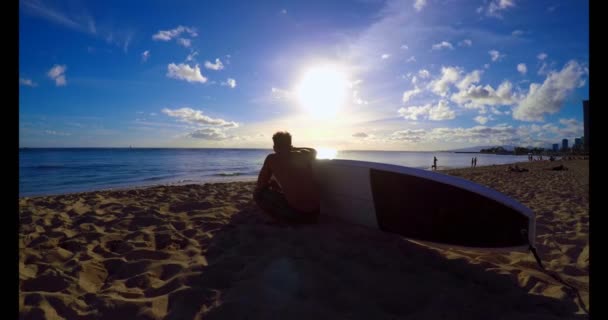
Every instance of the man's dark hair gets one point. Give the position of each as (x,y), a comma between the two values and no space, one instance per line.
(282,139)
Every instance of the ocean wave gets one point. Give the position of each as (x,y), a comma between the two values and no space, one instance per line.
(229,174)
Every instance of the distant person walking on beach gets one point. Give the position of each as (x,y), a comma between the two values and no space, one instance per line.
(472,162)
(285,187)
(475,162)
(434,166)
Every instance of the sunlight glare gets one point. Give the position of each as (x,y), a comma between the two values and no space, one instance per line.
(322,91)
(326,153)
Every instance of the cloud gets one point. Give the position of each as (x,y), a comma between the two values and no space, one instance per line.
(57,73)
(145,55)
(449,75)
(481,120)
(280,94)
(409,135)
(495,55)
(404,47)
(411,59)
(166,35)
(385,56)
(500,134)
(548,98)
(214,66)
(210,134)
(360,135)
(419,4)
(83,22)
(441,111)
(496,6)
(424,74)
(230,82)
(542,56)
(522,68)
(197,117)
(465,43)
(469,79)
(191,56)
(517,33)
(185,72)
(57,133)
(357,98)
(284,11)
(407,95)
(481,96)
(27,82)
(184,42)
(442,45)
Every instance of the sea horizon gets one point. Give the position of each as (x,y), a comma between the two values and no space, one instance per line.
(50,171)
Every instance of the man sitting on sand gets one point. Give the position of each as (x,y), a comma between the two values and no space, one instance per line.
(285,188)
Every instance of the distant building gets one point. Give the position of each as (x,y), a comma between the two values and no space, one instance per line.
(565,145)
(586,124)
(555,147)
(578,144)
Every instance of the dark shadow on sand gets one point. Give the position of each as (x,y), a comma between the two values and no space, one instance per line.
(259,270)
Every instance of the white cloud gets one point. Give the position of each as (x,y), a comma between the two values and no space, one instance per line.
(441,111)
(185,72)
(481,96)
(548,98)
(522,68)
(404,47)
(184,42)
(218,65)
(411,59)
(83,22)
(419,4)
(407,95)
(409,135)
(385,56)
(424,74)
(230,82)
(360,135)
(500,134)
(495,55)
(27,82)
(357,98)
(449,75)
(57,133)
(191,56)
(442,45)
(496,6)
(469,79)
(280,94)
(210,134)
(284,11)
(190,115)
(517,33)
(542,56)
(57,73)
(145,55)
(486,66)
(481,120)
(166,35)
(465,43)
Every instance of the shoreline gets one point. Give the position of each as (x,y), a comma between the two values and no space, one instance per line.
(227,179)
(199,251)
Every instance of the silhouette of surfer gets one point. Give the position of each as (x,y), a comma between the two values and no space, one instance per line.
(285,188)
(434,166)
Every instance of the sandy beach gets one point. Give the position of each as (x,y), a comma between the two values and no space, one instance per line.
(207,252)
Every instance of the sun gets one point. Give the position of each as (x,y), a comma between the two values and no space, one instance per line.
(322,91)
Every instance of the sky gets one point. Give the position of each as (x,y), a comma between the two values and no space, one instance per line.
(416,75)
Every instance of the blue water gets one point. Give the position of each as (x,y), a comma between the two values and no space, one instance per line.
(59,171)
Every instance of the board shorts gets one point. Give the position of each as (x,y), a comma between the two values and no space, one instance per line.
(276,205)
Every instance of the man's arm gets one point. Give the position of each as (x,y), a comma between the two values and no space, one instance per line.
(265,175)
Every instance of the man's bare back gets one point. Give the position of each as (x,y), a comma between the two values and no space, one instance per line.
(285,187)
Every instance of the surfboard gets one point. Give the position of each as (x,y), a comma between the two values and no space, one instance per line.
(422,205)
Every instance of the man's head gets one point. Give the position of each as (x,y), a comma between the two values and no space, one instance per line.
(282,141)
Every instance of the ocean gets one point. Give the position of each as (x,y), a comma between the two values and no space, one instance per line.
(45,171)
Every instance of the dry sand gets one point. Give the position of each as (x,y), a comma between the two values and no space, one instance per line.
(206,252)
